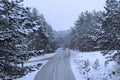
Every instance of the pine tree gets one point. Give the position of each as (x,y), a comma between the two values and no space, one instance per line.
(111,30)
(14,27)
(84,32)
(43,37)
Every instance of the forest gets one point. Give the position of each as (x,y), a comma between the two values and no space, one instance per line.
(24,33)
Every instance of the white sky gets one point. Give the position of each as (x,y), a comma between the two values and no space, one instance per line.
(61,14)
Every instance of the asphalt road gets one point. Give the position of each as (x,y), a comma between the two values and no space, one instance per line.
(58,68)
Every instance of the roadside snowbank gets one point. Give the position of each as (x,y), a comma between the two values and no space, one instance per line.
(92,66)
(36,60)
(45,56)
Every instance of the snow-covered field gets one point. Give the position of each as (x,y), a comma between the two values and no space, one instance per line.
(92,66)
(36,60)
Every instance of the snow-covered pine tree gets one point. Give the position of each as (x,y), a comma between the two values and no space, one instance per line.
(43,38)
(111,30)
(14,27)
(83,35)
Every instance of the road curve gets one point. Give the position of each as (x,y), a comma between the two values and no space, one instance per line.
(58,68)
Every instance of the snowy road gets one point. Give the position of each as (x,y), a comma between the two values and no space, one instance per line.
(58,68)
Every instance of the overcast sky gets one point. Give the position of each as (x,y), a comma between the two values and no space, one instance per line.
(61,14)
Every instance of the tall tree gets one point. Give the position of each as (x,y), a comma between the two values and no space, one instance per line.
(15,25)
(43,37)
(84,31)
(111,30)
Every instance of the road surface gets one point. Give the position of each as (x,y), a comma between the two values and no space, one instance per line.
(58,68)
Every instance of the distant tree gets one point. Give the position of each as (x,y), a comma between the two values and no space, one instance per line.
(62,39)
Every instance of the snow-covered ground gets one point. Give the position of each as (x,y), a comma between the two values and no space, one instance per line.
(92,66)
(36,60)
(85,66)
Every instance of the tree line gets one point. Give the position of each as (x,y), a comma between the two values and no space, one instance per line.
(24,33)
(97,31)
